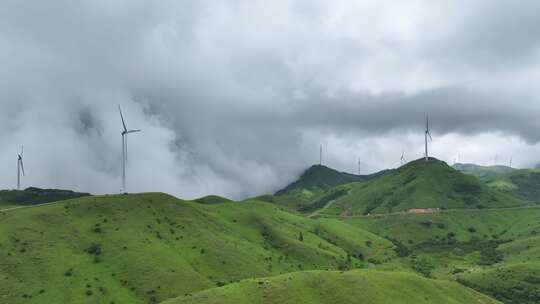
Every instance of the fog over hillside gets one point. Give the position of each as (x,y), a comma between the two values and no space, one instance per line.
(234,97)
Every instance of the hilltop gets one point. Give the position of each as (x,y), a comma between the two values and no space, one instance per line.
(305,193)
(358,286)
(521,183)
(33,196)
(146,248)
(419,184)
(322,178)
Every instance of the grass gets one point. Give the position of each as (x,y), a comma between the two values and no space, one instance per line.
(152,247)
(521,183)
(358,286)
(147,248)
(512,284)
(493,251)
(33,196)
(419,184)
(307,193)
(212,200)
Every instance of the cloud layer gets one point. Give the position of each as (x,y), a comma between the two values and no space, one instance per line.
(234,97)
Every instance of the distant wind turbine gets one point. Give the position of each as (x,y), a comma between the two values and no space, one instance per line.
(359,166)
(125,133)
(402,158)
(510,165)
(20,168)
(426,135)
(320,155)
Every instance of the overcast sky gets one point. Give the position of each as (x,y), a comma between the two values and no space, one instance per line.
(234,97)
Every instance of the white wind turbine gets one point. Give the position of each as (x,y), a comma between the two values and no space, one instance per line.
(125,133)
(20,168)
(426,135)
(402,158)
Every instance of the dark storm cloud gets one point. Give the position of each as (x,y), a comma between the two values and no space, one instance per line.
(234,97)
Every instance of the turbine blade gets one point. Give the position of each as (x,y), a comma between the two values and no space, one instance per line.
(429,134)
(122,117)
(133,131)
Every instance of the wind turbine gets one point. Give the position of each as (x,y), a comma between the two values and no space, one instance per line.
(20,168)
(125,133)
(359,166)
(426,135)
(402,158)
(510,161)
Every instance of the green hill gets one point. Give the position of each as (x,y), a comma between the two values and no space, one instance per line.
(33,196)
(212,200)
(311,188)
(418,184)
(323,287)
(512,284)
(482,171)
(322,178)
(147,248)
(521,183)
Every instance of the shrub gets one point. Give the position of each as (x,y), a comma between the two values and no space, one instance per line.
(423,267)
(94,249)
(426,223)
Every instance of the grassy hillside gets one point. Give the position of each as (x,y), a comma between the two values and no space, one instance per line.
(512,284)
(318,287)
(147,248)
(33,196)
(320,177)
(464,225)
(306,193)
(212,200)
(521,183)
(419,184)
(482,171)
(496,252)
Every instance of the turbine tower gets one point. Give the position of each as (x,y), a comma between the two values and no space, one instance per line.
(125,133)
(510,161)
(426,135)
(20,168)
(359,166)
(320,155)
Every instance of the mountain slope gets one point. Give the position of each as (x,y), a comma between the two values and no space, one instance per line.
(321,287)
(310,191)
(146,248)
(419,184)
(512,284)
(320,177)
(482,171)
(521,183)
(33,196)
